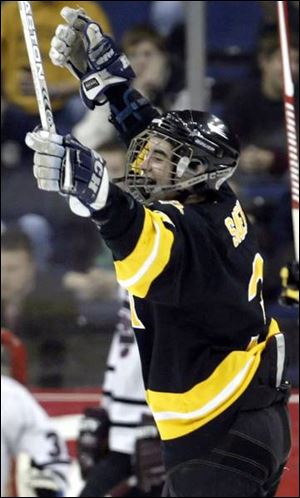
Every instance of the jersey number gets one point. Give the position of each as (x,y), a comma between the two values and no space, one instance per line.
(55,451)
(256,278)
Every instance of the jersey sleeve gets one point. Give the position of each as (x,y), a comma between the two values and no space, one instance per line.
(154,253)
(131,112)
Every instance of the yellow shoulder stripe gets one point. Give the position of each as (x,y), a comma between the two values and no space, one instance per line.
(149,258)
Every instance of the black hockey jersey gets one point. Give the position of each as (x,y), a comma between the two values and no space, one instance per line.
(195,278)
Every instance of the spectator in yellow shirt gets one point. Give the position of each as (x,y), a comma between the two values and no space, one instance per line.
(17,87)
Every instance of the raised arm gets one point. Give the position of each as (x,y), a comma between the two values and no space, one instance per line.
(104,72)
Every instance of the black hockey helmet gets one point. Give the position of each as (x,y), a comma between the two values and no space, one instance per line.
(204,153)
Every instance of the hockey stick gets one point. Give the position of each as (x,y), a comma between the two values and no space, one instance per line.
(39,81)
(290,119)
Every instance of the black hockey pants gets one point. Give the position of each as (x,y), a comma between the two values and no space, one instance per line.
(248,462)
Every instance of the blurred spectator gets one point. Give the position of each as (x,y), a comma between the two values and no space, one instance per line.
(40,233)
(159,65)
(21,113)
(146,50)
(257,112)
(148,56)
(35,306)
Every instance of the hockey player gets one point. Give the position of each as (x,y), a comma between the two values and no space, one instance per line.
(27,429)
(108,453)
(213,363)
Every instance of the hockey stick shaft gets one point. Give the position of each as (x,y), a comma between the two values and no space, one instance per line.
(39,80)
(290,118)
(36,65)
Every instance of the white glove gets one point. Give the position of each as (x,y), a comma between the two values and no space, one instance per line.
(54,155)
(42,482)
(90,55)
(47,159)
(67,45)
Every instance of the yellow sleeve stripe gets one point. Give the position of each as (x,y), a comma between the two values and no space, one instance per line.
(149,258)
(178,414)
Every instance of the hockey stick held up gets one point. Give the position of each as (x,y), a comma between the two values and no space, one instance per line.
(39,80)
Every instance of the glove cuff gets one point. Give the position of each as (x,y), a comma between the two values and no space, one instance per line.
(96,83)
(78,208)
(92,89)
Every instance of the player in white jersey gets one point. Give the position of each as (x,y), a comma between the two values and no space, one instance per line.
(123,388)
(108,436)
(27,429)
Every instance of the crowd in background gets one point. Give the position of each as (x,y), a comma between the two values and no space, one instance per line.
(58,289)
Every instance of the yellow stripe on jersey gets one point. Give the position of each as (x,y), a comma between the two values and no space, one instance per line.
(135,321)
(178,414)
(149,258)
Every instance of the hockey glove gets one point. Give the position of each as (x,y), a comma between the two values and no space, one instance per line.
(43,481)
(54,155)
(147,459)
(90,55)
(92,443)
(290,285)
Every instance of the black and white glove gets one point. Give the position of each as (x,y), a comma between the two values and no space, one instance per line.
(43,481)
(290,285)
(147,460)
(92,442)
(90,55)
(55,155)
